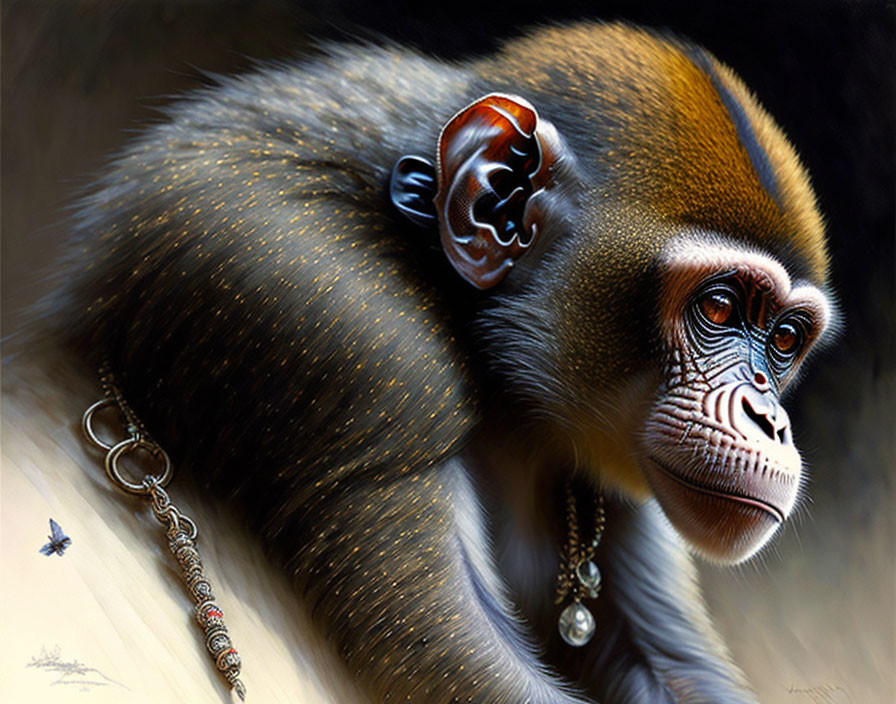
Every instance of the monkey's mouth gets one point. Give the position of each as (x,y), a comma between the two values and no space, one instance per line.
(741,499)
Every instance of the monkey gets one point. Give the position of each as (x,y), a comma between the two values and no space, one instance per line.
(388,307)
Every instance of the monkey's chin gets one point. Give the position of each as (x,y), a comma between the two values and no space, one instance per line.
(722,527)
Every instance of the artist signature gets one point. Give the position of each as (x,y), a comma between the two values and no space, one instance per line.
(71,672)
(822,694)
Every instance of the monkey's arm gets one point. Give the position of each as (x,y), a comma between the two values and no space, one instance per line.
(395,572)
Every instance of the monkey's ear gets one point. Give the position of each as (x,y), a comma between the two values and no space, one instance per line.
(496,158)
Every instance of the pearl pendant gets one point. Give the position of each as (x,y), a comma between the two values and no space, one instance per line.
(589,578)
(576,624)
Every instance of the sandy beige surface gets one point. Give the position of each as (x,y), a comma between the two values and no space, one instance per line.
(110,621)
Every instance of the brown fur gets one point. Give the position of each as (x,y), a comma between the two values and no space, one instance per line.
(662,138)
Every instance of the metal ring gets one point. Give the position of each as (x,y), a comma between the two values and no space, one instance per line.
(129,445)
(194,531)
(87,424)
(173,519)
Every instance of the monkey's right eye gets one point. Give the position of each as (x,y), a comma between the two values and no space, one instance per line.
(717,306)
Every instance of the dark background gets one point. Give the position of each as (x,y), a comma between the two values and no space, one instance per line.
(814,618)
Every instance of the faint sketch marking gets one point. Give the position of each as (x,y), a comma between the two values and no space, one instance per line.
(71,672)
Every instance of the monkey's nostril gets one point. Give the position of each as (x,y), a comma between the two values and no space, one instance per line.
(760,379)
(760,419)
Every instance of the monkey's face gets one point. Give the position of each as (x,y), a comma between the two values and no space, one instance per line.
(718,448)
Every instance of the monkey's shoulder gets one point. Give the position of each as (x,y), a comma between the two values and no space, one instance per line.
(243,250)
(287,164)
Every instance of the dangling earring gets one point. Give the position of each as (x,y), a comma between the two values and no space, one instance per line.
(579,575)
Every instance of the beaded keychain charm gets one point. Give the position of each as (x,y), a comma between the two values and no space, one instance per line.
(179,528)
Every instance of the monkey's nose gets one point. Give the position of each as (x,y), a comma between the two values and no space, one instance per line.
(761,382)
(762,418)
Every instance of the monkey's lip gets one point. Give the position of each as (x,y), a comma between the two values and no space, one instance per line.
(751,501)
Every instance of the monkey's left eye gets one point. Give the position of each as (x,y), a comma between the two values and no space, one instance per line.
(786,338)
(717,306)
(785,343)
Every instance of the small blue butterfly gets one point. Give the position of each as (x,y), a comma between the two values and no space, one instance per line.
(59,541)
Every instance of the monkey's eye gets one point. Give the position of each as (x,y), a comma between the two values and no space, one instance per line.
(786,338)
(785,342)
(717,306)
